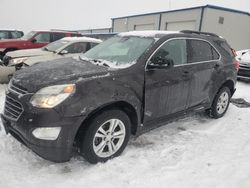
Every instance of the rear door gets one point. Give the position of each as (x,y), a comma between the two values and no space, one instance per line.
(166,89)
(57,36)
(204,61)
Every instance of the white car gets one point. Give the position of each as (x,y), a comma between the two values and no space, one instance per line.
(66,47)
(244,69)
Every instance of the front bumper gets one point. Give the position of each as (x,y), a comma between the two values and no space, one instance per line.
(59,150)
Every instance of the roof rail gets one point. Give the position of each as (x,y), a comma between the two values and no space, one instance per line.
(199,33)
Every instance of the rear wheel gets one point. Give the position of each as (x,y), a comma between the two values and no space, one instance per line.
(106,136)
(220,103)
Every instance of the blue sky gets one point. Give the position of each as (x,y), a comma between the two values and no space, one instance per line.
(84,14)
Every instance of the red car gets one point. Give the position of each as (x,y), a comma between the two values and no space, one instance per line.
(34,39)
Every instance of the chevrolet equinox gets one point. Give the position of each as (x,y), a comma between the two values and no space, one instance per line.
(125,86)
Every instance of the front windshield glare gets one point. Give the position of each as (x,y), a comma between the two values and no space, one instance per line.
(119,51)
(28,35)
(54,46)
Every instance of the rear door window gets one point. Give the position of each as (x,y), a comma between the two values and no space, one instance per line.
(200,51)
(57,36)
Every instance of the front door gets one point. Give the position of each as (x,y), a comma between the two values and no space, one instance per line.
(40,40)
(167,87)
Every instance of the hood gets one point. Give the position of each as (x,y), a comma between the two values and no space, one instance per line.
(60,71)
(28,53)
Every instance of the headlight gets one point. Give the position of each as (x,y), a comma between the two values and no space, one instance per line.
(18,60)
(51,96)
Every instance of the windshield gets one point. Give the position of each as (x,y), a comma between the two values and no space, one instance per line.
(54,46)
(29,35)
(119,51)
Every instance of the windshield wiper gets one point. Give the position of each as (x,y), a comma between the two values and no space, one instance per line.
(100,62)
(95,61)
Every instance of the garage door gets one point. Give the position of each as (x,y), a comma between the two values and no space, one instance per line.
(141,27)
(176,26)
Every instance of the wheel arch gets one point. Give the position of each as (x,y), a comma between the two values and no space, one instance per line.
(121,105)
(230,84)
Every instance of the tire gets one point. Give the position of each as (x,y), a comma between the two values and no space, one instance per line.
(100,142)
(220,103)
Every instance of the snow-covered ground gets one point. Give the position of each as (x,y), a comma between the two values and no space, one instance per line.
(194,152)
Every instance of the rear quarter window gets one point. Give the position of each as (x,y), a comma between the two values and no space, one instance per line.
(225,48)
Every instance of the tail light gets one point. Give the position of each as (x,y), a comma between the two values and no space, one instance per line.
(237,65)
(236,62)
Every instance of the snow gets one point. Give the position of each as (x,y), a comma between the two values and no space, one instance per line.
(195,152)
(111,65)
(245,56)
(81,39)
(146,33)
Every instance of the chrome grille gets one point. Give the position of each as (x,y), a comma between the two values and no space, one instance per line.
(14,88)
(12,109)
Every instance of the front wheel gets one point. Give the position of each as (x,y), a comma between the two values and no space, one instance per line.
(106,137)
(220,103)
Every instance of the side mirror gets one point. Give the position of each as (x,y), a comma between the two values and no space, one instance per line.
(161,63)
(33,40)
(63,52)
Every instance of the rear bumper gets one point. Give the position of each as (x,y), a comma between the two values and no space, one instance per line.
(59,150)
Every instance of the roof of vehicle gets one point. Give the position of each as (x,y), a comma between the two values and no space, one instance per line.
(5,29)
(159,34)
(82,39)
(55,31)
(150,33)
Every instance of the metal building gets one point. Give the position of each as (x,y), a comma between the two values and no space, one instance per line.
(234,25)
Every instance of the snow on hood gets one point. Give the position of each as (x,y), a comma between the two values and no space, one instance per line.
(57,71)
(28,53)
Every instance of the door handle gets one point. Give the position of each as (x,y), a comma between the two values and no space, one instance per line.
(185,73)
(217,65)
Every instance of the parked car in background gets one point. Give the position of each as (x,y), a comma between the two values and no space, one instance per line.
(66,47)
(34,39)
(244,69)
(10,34)
(126,85)
(102,36)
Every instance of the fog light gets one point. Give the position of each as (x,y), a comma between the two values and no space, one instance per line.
(47,133)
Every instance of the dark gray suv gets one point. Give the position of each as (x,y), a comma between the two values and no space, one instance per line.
(127,85)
